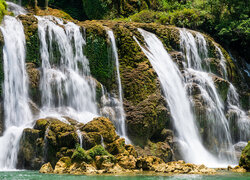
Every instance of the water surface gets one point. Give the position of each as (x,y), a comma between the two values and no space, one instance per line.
(34,175)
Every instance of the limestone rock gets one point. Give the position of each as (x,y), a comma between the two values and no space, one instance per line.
(100,127)
(126,161)
(46,168)
(148,162)
(62,166)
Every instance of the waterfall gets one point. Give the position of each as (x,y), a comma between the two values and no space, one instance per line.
(79,134)
(121,125)
(172,84)
(16,9)
(238,115)
(218,136)
(66,85)
(17,114)
(222,62)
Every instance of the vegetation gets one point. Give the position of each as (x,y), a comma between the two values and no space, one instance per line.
(98,151)
(80,155)
(3,9)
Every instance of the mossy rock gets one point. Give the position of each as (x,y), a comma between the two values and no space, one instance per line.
(80,155)
(98,150)
(245,158)
(117,147)
(100,127)
(222,87)
(30,155)
(30,24)
(98,51)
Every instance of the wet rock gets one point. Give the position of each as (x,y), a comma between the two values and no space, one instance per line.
(46,168)
(126,161)
(238,169)
(104,162)
(100,127)
(148,162)
(62,166)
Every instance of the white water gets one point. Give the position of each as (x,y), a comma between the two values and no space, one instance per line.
(79,134)
(121,125)
(67,87)
(222,62)
(16,9)
(217,127)
(237,114)
(17,115)
(172,84)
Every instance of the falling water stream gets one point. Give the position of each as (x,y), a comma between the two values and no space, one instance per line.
(66,85)
(173,87)
(121,125)
(17,113)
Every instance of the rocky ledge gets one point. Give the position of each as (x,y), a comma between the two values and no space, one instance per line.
(105,165)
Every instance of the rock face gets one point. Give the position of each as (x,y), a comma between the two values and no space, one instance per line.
(245,158)
(46,168)
(148,118)
(52,139)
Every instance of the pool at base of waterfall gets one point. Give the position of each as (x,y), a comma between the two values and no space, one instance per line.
(33,175)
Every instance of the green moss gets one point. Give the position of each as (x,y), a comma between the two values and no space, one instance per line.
(98,51)
(3,9)
(98,151)
(245,157)
(80,155)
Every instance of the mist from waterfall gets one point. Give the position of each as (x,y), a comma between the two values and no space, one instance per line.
(17,114)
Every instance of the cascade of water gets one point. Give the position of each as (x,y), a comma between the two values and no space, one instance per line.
(17,114)
(218,127)
(121,126)
(79,134)
(189,47)
(238,115)
(217,130)
(16,9)
(66,85)
(202,46)
(222,62)
(173,87)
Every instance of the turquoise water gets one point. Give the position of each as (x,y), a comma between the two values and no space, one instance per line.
(34,175)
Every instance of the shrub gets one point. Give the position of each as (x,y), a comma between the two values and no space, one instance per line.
(98,151)
(80,155)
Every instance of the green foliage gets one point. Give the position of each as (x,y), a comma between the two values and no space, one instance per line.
(98,151)
(72,7)
(80,155)
(190,18)
(3,9)
(95,9)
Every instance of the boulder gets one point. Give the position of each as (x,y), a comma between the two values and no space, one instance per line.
(46,168)
(126,161)
(62,166)
(100,127)
(148,162)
